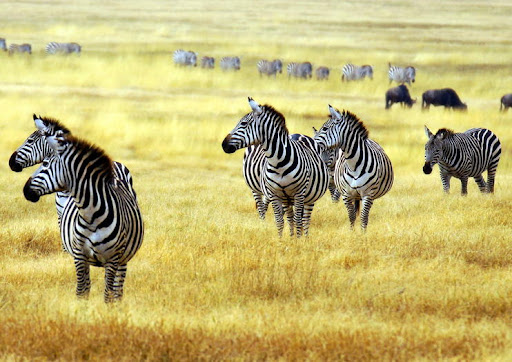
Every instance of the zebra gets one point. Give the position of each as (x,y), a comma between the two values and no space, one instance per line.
(330,157)
(106,228)
(300,70)
(463,155)
(353,72)
(322,73)
(230,63)
(293,177)
(270,67)
(20,48)
(401,75)
(208,62)
(35,149)
(185,58)
(62,48)
(3,45)
(363,171)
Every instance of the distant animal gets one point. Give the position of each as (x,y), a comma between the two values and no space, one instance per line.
(208,62)
(463,155)
(363,171)
(446,97)
(230,63)
(322,73)
(506,102)
(63,48)
(294,176)
(401,75)
(107,225)
(300,70)
(20,48)
(353,72)
(270,67)
(3,45)
(400,95)
(185,58)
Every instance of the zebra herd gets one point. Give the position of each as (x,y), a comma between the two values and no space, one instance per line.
(98,214)
(292,172)
(51,48)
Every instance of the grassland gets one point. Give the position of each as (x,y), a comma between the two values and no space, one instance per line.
(430,279)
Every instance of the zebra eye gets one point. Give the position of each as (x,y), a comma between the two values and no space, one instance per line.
(46,163)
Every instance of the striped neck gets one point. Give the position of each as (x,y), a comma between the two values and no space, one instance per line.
(274,135)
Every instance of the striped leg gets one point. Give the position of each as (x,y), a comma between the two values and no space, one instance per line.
(481,184)
(464,184)
(119,281)
(278,214)
(349,204)
(288,211)
(445,180)
(261,204)
(110,275)
(365,212)
(306,219)
(299,214)
(83,280)
(491,174)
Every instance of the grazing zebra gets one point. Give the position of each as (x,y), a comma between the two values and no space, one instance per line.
(463,155)
(20,48)
(270,67)
(353,72)
(3,45)
(208,62)
(401,75)
(35,149)
(107,228)
(62,48)
(185,58)
(300,70)
(322,73)
(294,176)
(363,171)
(230,63)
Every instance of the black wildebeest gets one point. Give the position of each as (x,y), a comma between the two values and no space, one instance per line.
(400,95)
(442,97)
(506,102)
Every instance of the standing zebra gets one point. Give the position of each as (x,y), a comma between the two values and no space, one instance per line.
(353,72)
(463,155)
(300,70)
(322,73)
(62,48)
(230,63)
(401,75)
(3,45)
(20,48)
(363,170)
(208,62)
(270,67)
(107,228)
(294,176)
(185,58)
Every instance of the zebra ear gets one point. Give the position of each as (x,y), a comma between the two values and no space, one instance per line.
(315,131)
(428,133)
(255,106)
(334,112)
(40,125)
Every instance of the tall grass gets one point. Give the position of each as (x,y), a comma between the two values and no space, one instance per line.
(430,279)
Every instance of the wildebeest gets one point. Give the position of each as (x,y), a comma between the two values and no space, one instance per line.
(442,97)
(400,95)
(506,102)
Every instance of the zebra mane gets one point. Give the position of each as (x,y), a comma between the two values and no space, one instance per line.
(278,116)
(54,124)
(355,123)
(102,160)
(445,132)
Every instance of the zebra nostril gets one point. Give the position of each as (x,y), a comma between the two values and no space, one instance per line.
(427,169)
(16,167)
(30,194)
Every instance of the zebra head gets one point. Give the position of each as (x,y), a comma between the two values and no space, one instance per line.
(35,148)
(328,135)
(48,178)
(244,133)
(433,148)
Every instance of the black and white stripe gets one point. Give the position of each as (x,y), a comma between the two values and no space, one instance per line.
(270,67)
(294,176)
(62,48)
(401,75)
(463,155)
(363,171)
(300,70)
(184,58)
(208,62)
(20,48)
(353,72)
(230,63)
(106,229)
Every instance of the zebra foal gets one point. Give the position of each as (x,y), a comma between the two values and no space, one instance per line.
(293,176)
(363,171)
(463,155)
(106,228)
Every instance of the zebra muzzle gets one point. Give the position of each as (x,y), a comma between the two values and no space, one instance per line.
(227,146)
(15,166)
(427,169)
(30,194)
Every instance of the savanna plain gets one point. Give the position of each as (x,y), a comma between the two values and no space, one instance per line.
(429,280)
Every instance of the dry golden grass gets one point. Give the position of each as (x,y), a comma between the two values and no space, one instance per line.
(429,280)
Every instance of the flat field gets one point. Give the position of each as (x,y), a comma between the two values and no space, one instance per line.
(431,279)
